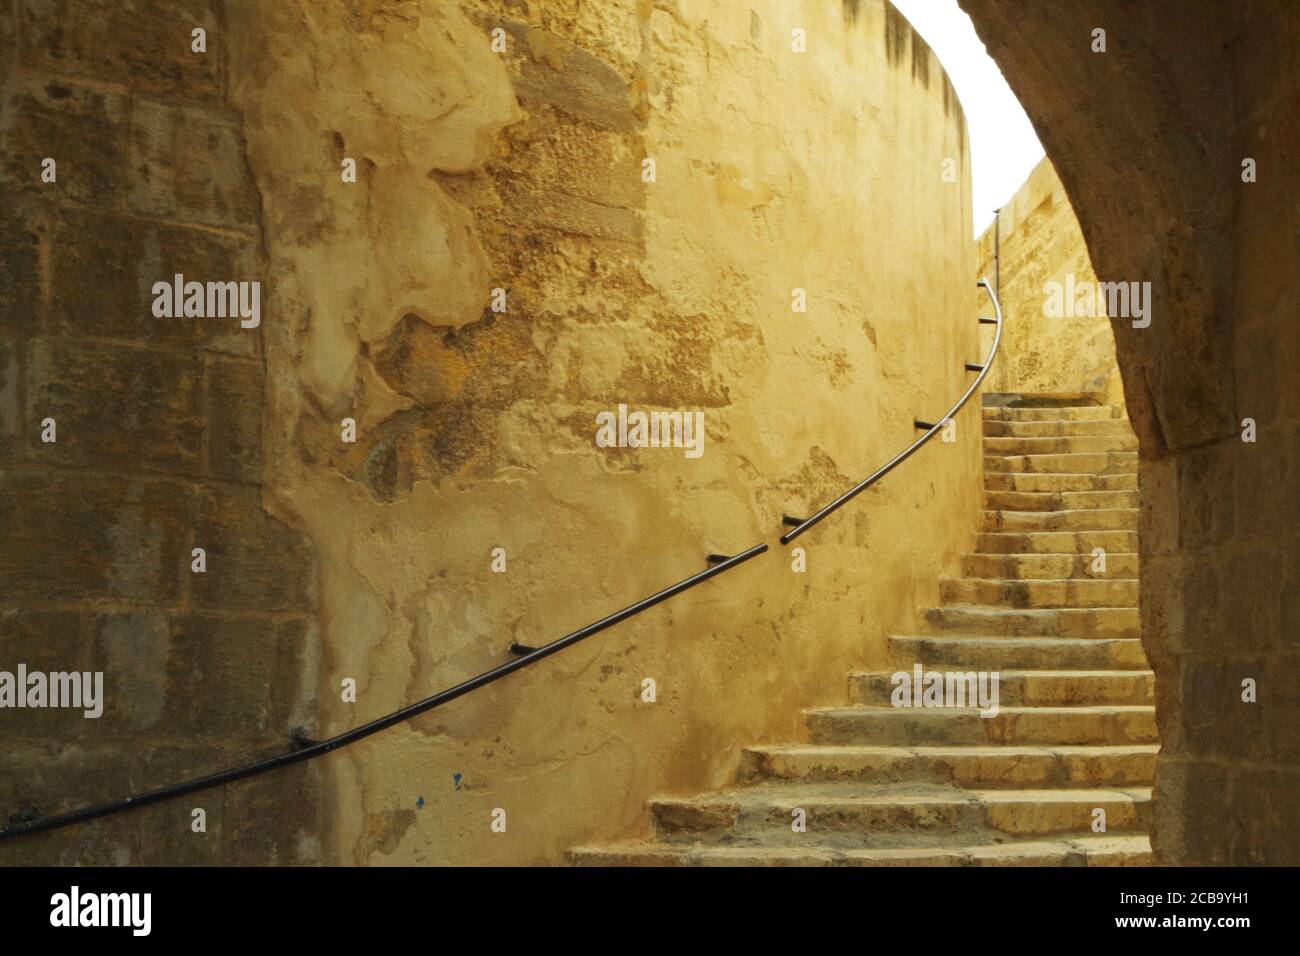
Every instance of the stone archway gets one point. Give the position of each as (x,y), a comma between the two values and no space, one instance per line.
(1151,138)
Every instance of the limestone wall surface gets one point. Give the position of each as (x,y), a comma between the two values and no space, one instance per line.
(800,151)
(525,171)
(1057,335)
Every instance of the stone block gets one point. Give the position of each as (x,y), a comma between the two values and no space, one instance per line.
(22,230)
(553,71)
(1163,603)
(83,130)
(8,36)
(1192,808)
(142,44)
(298,650)
(46,782)
(1202,627)
(49,642)
(169,826)
(1288,337)
(219,673)
(1250,594)
(80,537)
(1204,511)
(1289,601)
(254,562)
(526,205)
(131,649)
(1169,703)
(1216,722)
(234,403)
(1263,819)
(273,819)
(1159,519)
(104,268)
(188,164)
(1279,698)
(1259,486)
(115,407)
(11,414)
(1258,375)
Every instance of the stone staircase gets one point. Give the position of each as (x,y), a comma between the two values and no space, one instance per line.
(1075,731)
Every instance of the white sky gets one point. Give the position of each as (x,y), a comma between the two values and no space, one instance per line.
(1004,146)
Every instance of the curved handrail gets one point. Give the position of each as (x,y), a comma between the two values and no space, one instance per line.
(802,525)
(308,750)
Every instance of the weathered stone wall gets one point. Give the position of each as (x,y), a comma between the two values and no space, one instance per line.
(1047,346)
(774,170)
(1149,139)
(158,451)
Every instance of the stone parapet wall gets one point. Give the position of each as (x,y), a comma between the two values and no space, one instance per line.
(1057,337)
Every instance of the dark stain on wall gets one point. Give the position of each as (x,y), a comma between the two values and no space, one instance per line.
(897,32)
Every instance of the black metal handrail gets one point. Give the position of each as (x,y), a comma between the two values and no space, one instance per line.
(308,750)
(800,525)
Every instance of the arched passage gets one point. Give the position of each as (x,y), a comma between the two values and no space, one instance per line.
(1151,138)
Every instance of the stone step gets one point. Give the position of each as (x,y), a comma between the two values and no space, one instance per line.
(971,652)
(976,766)
(1020,481)
(1096,519)
(1089,622)
(1069,414)
(1056,542)
(1071,445)
(1057,428)
(1099,850)
(1112,724)
(1092,463)
(991,399)
(1041,592)
(1030,688)
(1059,501)
(853,814)
(1031,567)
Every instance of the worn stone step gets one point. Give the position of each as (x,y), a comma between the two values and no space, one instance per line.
(1091,463)
(972,766)
(1109,724)
(1020,481)
(1056,542)
(1068,445)
(1069,414)
(1040,593)
(1119,566)
(1026,688)
(852,814)
(1057,428)
(1096,519)
(1100,850)
(991,399)
(1036,622)
(972,652)
(1059,501)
